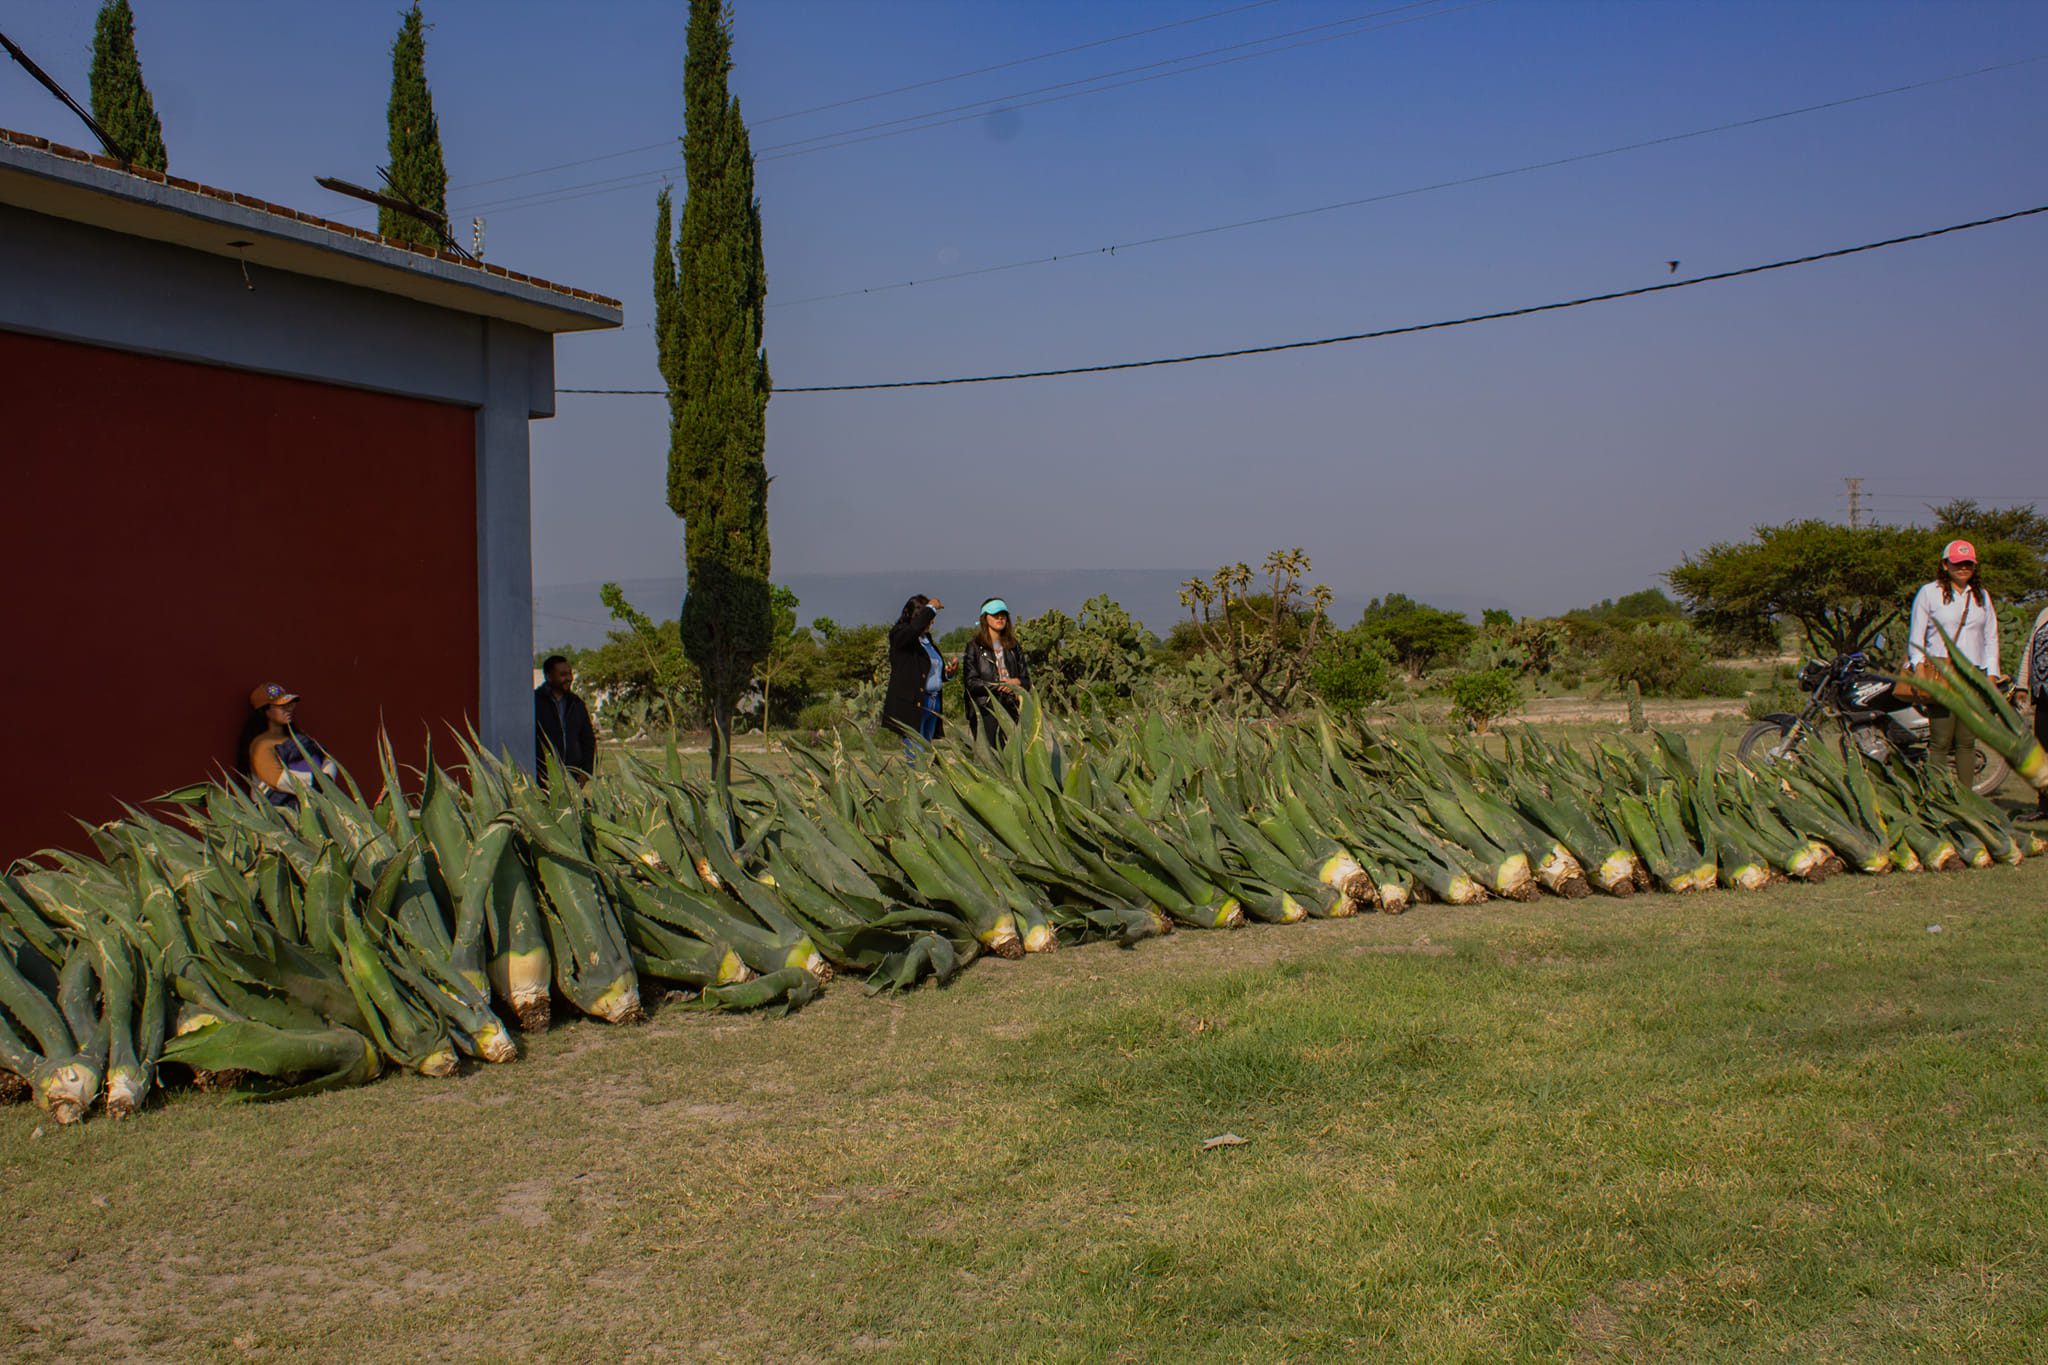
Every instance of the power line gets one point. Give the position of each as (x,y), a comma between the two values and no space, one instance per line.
(573,620)
(1380,333)
(979,109)
(884,94)
(2005,499)
(976,108)
(1551,164)
(948,117)
(1021,61)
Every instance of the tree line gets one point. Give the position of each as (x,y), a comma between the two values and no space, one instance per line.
(1262,640)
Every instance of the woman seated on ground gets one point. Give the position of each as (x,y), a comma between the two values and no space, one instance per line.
(917,671)
(281,762)
(993,672)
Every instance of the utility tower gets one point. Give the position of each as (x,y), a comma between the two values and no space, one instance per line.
(1855,487)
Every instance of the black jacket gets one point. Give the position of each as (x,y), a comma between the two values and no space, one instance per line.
(978,675)
(577,747)
(909,666)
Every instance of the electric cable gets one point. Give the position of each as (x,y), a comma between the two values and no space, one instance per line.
(977,108)
(1383,332)
(884,94)
(783,151)
(1413,190)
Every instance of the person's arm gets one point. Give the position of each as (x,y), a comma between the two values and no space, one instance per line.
(1916,630)
(589,732)
(1989,663)
(1023,672)
(904,634)
(263,764)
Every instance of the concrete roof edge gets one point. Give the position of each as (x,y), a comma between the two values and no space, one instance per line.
(581,309)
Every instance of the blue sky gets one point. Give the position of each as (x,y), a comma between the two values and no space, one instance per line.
(1545,461)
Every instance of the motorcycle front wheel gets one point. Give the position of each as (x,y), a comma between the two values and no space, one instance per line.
(1760,743)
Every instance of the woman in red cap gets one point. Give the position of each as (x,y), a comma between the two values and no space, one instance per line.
(1956,602)
(282,762)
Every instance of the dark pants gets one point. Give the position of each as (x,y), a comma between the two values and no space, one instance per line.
(981,716)
(927,724)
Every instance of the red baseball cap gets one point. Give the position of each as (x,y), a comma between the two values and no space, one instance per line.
(1960,552)
(271,694)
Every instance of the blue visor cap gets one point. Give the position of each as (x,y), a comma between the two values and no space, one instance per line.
(995,606)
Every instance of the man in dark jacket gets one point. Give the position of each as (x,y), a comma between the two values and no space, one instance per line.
(562,723)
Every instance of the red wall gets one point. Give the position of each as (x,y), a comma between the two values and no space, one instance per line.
(175,534)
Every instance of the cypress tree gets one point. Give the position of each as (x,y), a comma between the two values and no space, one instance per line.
(709,293)
(120,101)
(416,170)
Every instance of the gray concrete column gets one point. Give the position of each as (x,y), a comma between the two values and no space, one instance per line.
(504,540)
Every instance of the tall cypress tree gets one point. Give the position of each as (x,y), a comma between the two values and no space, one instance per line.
(120,101)
(416,170)
(709,293)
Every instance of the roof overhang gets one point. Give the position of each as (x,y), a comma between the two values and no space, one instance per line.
(63,182)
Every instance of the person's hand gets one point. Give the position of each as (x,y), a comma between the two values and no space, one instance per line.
(935,604)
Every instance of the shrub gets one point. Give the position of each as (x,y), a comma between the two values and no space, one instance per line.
(1487,652)
(1651,604)
(1418,634)
(1541,643)
(1713,680)
(1656,658)
(1350,671)
(1201,683)
(819,715)
(853,655)
(1483,697)
(1097,660)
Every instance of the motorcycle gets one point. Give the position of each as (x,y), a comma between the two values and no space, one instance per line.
(1867,707)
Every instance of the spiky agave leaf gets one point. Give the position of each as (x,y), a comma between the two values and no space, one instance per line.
(1964,689)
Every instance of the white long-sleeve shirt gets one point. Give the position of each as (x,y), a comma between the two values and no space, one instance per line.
(1976,638)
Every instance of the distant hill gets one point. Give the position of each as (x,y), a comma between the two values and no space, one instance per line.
(571,614)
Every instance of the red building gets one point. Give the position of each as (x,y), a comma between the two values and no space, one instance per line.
(246,445)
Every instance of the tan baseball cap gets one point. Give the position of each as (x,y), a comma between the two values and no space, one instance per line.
(271,694)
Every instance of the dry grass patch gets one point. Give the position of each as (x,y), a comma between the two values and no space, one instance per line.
(1712,1128)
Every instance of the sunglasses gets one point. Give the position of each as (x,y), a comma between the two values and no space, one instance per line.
(1962,564)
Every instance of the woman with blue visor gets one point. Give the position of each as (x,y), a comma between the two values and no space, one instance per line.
(993,671)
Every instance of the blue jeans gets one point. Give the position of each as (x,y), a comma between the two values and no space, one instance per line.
(927,724)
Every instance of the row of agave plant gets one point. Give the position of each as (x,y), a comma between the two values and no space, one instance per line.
(232,943)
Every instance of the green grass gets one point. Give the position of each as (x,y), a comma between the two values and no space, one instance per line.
(1795,1126)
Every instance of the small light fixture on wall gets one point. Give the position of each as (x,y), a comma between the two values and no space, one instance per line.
(240,247)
